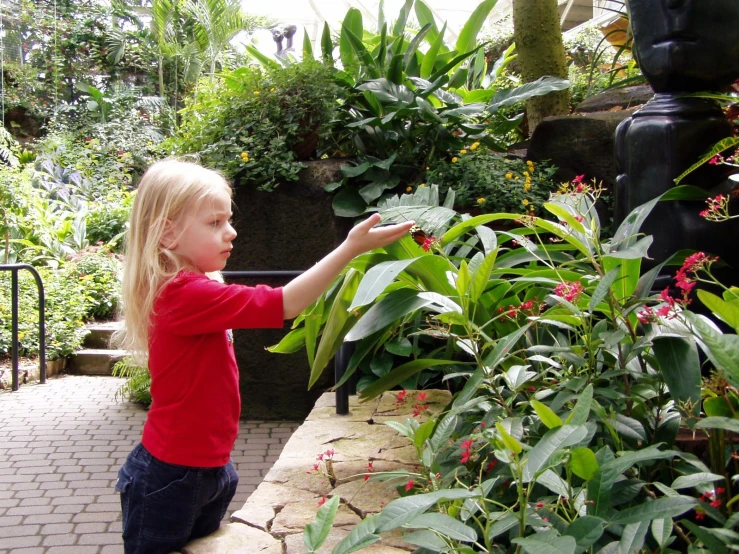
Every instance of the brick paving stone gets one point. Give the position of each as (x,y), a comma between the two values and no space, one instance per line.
(69,437)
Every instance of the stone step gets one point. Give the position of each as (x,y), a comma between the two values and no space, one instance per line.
(95,361)
(100,333)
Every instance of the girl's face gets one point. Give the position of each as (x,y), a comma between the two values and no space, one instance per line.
(203,236)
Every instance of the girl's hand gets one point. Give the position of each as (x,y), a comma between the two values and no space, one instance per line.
(365,236)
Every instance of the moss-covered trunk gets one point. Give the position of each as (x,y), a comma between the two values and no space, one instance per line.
(541,52)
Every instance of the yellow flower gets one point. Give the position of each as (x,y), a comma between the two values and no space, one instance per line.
(527,174)
(408,189)
(256,93)
(455,160)
(474,146)
(245,157)
(272,89)
(422,185)
(462,152)
(480,200)
(527,186)
(509,175)
(525,202)
(531,166)
(515,178)
(149,143)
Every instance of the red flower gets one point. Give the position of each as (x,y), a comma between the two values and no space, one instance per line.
(716,503)
(466,445)
(568,291)
(700,515)
(579,178)
(428,243)
(401,395)
(465,457)
(491,465)
(421,396)
(322,501)
(409,485)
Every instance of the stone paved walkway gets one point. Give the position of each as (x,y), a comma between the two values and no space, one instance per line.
(61,445)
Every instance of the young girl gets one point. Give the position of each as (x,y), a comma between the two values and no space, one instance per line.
(177,483)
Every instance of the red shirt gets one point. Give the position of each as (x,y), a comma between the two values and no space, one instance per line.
(194,416)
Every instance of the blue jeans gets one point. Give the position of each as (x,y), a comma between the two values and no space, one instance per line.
(165,506)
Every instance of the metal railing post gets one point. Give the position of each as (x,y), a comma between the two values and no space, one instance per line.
(341,362)
(14,268)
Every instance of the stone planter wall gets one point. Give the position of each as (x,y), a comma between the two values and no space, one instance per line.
(288,229)
(273,518)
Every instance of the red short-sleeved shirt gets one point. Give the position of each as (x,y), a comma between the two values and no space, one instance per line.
(194,416)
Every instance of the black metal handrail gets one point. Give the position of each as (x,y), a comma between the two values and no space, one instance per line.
(14,268)
(341,360)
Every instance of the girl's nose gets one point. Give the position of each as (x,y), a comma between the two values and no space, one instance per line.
(231,232)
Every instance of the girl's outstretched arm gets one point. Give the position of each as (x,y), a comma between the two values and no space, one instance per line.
(302,291)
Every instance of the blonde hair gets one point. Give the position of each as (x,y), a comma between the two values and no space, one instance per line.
(168,191)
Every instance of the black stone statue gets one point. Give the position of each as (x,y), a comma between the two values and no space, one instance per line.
(681,46)
(287,33)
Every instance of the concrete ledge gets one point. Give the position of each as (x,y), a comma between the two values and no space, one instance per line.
(273,518)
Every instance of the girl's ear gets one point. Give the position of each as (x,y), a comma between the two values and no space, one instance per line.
(168,240)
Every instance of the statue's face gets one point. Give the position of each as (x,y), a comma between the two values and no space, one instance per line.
(686,45)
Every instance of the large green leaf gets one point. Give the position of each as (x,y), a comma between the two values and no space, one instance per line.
(728,312)
(361,51)
(583,463)
(399,27)
(625,284)
(327,46)
(467,39)
(352,24)
(390,309)
(336,325)
(585,530)
(717,148)
(413,46)
(694,479)
(680,368)
(376,281)
(362,536)
(540,87)
(397,376)
(655,509)
(402,510)
(316,532)
(292,342)
(722,350)
(725,423)
(429,58)
(581,411)
(555,545)
(444,524)
(553,440)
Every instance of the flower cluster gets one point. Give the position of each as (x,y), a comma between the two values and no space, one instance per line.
(568,291)
(686,276)
(326,458)
(530,307)
(419,406)
(718,209)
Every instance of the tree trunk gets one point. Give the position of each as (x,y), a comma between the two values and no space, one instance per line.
(541,52)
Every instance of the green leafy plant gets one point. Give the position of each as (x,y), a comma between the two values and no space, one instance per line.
(489,182)
(66,307)
(138,382)
(99,272)
(249,123)
(562,430)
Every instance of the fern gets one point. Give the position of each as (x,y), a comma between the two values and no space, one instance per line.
(138,382)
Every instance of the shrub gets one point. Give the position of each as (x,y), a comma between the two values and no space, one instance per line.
(249,122)
(491,182)
(66,306)
(98,271)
